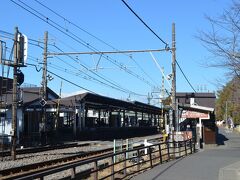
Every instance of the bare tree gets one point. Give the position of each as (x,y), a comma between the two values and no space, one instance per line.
(223,39)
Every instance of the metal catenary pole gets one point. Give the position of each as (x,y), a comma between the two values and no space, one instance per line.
(174,124)
(161,99)
(14,97)
(44,87)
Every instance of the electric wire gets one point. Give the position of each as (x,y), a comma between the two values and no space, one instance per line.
(167,47)
(74,24)
(77,39)
(10,38)
(185,77)
(65,70)
(166,44)
(70,82)
(90,77)
(59,68)
(90,34)
(95,80)
(114,85)
(12,35)
(65,79)
(85,67)
(111,85)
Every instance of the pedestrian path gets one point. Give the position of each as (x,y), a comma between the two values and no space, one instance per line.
(203,165)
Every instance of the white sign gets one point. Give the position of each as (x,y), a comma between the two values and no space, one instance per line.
(25,48)
(193,114)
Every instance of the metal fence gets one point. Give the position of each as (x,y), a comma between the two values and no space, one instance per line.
(104,167)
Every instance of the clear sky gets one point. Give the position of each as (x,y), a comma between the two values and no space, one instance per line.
(112,22)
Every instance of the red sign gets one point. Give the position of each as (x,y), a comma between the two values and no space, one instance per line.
(182,136)
(193,114)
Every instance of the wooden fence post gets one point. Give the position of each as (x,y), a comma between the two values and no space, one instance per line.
(125,164)
(174,149)
(96,171)
(73,172)
(168,151)
(150,156)
(194,147)
(191,146)
(112,168)
(160,153)
(185,145)
(179,148)
(138,158)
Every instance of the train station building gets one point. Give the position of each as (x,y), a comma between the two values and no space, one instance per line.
(79,117)
(93,116)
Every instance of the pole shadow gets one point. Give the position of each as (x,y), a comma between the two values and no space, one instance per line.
(221,139)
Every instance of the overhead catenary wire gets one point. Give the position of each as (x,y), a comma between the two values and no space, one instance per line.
(167,46)
(114,86)
(65,79)
(51,72)
(11,36)
(111,84)
(87,77)
(90,34)
(30,43)
(185,77)
(74,24)
(71,82)
(100,76)
(103,78)
(76,38)
(145,24)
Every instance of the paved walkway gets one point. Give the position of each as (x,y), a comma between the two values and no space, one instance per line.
(203,165)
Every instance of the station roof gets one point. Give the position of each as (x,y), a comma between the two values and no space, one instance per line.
(205,99)
(28,95)
(196,108)
(196,95)
(97,101)
(31,96)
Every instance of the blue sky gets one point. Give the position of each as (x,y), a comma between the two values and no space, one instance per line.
(112,22)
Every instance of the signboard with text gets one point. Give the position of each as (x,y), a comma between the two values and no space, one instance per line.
(193,114)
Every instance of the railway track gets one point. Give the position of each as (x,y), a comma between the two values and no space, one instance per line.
(17,172)
(42,149)
(22,171)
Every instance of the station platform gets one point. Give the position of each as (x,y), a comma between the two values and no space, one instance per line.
(203,165)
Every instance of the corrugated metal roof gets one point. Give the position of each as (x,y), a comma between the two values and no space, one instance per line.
(101,102)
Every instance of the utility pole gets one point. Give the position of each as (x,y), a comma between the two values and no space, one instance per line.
(14,96)
(44,88)
(174,123)
(161,99)
(44,77)
(149,99)
(57,110)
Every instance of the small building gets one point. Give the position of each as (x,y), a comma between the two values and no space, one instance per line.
(29,113)
(197,111)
